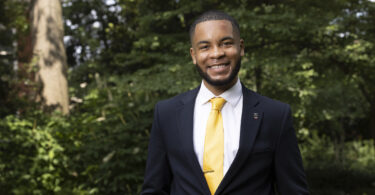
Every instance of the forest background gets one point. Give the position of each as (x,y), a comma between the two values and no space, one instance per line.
(79,80)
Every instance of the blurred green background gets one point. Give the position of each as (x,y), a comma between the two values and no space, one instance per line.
(125,55)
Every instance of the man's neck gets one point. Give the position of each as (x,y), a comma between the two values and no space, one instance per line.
(217,90)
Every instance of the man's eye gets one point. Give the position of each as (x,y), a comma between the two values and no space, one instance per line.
(203,47)
(228,43)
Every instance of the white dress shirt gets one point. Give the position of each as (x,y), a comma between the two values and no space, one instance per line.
(231,113)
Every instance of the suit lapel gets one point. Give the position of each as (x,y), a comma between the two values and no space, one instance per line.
(250,122)
(185,126)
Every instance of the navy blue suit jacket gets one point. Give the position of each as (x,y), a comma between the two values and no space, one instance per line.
(268,158)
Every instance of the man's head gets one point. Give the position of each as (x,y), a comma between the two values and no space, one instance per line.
(216,48)
(213,15)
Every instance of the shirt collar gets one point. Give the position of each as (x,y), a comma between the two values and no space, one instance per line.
(232,95)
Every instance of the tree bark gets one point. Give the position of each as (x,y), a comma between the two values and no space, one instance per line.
(372,119)
(258,78)
(49,53)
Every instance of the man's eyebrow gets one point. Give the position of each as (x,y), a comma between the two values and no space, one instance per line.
(222,39)
(226,38)
(203,42)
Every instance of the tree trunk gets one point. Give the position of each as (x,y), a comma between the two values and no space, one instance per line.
(372,120)
(49,53)
(25,75)
(258,78)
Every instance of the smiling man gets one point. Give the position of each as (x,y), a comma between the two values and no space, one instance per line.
(216,51)
(222,138)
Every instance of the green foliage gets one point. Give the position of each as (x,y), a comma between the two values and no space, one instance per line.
(98,151)
(32,160)
(319,150)
(110,139)
(333,168)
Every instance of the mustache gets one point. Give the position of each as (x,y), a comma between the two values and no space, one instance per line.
(219,83)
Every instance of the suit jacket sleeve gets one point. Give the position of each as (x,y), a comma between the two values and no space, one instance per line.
(158,175)
(289,173)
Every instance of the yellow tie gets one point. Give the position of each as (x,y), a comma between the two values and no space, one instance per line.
(213,156)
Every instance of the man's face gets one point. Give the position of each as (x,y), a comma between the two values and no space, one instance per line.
(216,51)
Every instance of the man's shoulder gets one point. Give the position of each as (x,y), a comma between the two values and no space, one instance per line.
(188,96)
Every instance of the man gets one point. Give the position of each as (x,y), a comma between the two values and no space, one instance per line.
(222,138)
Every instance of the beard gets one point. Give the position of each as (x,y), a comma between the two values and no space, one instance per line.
(220,83)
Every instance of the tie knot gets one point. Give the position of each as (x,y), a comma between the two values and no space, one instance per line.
(217,103)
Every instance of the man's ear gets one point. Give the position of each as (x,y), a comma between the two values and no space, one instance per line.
(192,54)
(242,47)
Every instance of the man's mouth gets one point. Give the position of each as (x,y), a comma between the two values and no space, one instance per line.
(218,66)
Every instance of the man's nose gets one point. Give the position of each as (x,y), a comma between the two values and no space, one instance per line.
(217,52)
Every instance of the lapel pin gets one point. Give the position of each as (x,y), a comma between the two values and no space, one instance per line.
(255,116)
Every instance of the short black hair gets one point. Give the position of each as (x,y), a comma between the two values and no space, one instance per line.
(213,15)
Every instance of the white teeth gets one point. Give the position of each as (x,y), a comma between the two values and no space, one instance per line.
(217,66)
